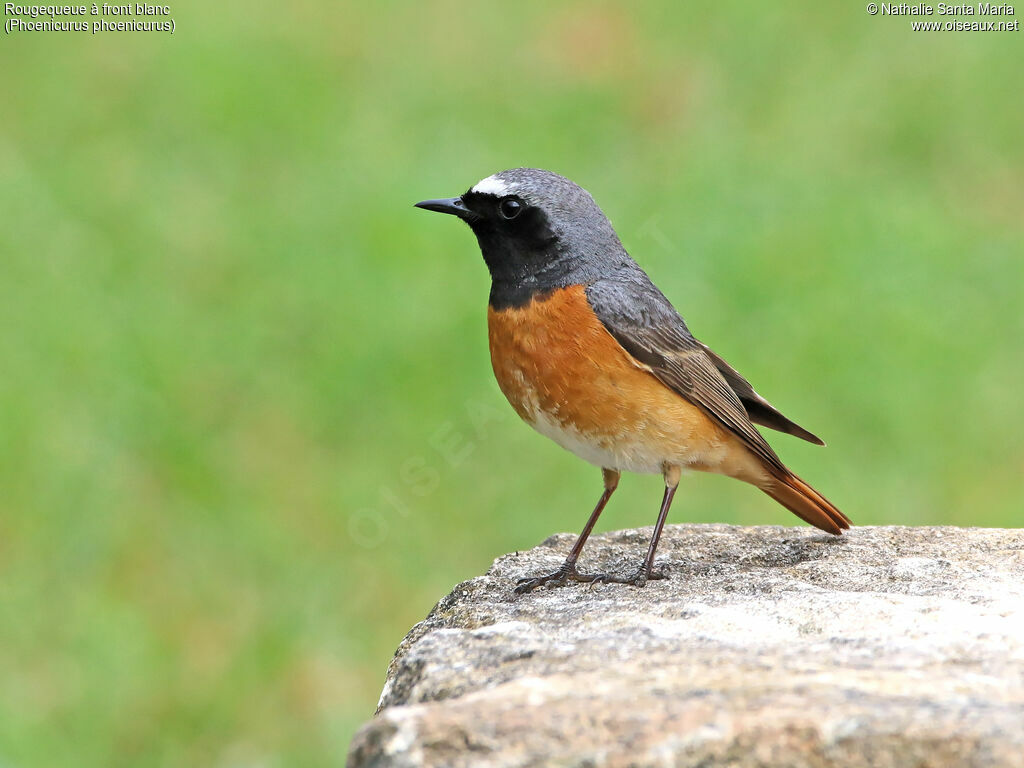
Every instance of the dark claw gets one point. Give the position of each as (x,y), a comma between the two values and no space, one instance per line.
(528,585)
(558,578)
(638,578)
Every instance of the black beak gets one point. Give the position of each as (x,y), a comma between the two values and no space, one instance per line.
(452,205)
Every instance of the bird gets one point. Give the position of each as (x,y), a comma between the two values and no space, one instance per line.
(592,355)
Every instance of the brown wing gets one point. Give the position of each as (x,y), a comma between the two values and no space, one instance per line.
(685,367)
(760,410)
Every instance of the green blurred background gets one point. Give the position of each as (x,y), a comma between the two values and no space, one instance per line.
(249,430)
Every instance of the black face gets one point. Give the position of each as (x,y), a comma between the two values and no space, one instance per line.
(516,238)
(538,232)
(511,217)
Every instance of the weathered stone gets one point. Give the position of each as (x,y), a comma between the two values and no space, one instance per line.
(765,647)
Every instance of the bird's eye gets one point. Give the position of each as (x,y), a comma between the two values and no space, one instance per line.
(509,208)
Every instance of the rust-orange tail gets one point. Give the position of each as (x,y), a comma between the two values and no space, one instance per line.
(806,503)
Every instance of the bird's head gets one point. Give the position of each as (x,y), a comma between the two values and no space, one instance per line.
(535,228)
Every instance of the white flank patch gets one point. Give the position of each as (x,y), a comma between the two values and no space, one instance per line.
(492,185)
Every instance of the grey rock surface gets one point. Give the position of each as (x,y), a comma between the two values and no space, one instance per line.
(766,646)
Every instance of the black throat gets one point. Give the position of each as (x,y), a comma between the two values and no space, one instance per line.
(509,291)
(523,267)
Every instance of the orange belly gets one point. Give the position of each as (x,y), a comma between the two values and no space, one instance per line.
(572,381)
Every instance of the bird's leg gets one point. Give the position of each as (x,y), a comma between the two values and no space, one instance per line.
(567,571)
(646,570)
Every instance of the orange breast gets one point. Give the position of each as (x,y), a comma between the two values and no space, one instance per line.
(571,380)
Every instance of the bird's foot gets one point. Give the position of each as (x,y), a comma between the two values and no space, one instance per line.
(638,578)
(564,575)
(558,578)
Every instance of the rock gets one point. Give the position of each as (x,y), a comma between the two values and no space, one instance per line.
(765,646)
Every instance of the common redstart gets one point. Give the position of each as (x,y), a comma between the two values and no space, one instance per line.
(590,353)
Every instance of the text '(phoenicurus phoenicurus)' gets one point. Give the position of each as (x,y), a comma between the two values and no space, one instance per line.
(590,353)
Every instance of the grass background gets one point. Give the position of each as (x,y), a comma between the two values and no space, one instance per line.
(248,429)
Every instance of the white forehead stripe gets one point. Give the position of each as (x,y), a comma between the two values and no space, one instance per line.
(492,185)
